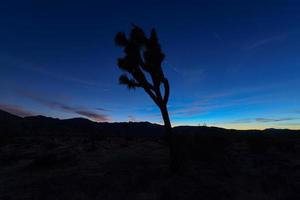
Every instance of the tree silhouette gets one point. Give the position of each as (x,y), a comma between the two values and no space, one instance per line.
(143,56)
(142,61)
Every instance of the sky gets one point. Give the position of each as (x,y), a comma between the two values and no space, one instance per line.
(232,64)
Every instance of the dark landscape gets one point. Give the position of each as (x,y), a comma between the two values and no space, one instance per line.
(150,100)
(46,158)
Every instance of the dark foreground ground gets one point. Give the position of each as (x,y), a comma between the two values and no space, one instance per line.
(254,168)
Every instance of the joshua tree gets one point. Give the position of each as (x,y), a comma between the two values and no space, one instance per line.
(142,61)
(142,67)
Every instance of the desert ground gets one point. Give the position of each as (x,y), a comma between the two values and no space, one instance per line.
(137,168)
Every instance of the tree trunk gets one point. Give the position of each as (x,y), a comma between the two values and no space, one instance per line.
(167,123)
(170,139)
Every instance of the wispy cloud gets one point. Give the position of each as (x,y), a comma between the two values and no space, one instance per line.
(69,78)
(80,110)
(103,109)
(274,120)
(16,62)
(265,41)
(264,120)
(211,103)
(190,75)
(91,115)
(16,110)
(239,96)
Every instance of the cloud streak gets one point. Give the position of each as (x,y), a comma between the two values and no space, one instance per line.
(274,120)
(64,107)
(16,110)
(254,95)
(18,63)
(89,83)
(210,103)
(265,41)
(190,75)
(264,120)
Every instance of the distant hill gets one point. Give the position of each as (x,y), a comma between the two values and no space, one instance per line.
(10,123)
(223,131)
(5,116)
(40,125)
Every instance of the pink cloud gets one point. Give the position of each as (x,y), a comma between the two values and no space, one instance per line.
(16,110)
(80,110)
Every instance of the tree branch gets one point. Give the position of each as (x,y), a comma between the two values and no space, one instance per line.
(167,90)
(152,95)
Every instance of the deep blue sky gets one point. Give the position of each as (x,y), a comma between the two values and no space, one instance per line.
(233,64)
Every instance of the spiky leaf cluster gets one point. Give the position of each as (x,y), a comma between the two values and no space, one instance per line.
(142,55)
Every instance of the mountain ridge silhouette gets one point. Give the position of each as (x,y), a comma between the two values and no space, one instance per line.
(41,125)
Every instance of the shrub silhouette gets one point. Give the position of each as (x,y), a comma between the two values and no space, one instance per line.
(143,61)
